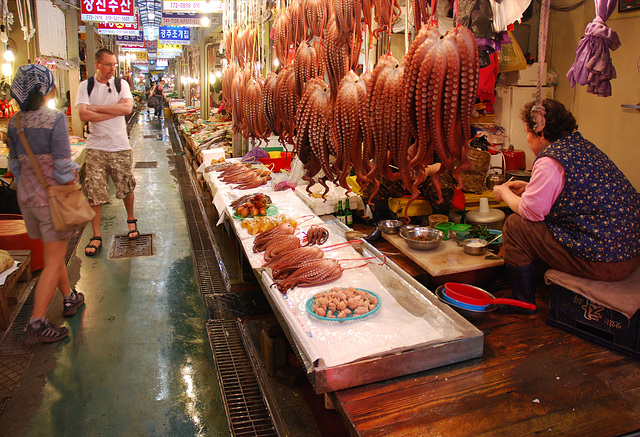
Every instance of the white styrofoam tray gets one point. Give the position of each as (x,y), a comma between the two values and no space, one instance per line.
(329,205)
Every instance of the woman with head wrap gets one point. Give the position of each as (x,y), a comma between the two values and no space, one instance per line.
(47,131)
(579,213)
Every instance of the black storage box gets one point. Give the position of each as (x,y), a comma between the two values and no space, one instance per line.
(578,315)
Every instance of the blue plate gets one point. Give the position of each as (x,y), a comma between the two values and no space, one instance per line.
(310,302)
(494,232)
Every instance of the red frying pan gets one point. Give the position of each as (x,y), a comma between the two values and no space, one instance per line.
(474,296)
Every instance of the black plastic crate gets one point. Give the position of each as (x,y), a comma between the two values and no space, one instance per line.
(578,315)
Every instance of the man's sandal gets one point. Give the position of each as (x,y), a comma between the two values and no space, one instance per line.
(133,231)
(96,249)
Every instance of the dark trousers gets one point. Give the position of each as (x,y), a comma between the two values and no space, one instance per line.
(526,242)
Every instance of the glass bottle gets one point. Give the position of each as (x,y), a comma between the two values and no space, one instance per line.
(340,214)
(348,214)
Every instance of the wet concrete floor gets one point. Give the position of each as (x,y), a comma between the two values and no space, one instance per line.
(137,361)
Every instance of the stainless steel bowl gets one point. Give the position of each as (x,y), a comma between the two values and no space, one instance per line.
(406,228)
(475,246)
(390,226)
(434,238)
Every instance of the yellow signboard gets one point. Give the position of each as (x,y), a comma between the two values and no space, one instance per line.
(141,56)
(172,47)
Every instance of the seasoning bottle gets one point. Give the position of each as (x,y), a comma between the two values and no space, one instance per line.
(348,214)
(340,214)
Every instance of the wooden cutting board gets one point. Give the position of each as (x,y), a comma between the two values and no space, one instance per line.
(448,258)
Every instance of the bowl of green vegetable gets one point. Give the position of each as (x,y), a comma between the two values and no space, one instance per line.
(482,233)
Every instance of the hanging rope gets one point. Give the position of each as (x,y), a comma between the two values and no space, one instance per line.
(538,110)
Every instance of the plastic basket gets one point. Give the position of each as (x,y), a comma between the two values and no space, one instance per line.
(282,162)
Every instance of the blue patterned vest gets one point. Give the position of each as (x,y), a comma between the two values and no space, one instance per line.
(597,214)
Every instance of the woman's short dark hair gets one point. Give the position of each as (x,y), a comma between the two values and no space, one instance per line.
(559,121)
(34,101)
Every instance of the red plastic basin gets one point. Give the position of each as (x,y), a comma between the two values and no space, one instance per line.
(277,164)
(13,235)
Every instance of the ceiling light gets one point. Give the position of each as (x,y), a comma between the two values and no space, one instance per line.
(205,21)
(152,16)
(8,55)
(6,69)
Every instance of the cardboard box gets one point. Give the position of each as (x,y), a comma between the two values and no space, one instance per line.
(578,315)
(526,77)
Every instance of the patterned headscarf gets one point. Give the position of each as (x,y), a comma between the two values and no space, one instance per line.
(29,78)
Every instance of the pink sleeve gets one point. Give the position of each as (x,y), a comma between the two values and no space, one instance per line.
(547,181)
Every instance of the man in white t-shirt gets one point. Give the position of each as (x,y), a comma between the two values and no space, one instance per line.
(109,154)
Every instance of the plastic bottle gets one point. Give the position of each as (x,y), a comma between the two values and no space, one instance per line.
(340,213)
(348,214)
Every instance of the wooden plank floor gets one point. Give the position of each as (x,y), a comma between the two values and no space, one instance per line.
(533,379)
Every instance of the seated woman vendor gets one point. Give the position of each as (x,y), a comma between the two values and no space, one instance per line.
(579,214)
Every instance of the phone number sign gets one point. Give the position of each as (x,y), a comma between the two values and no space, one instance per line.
(112,11)
(192,6)
(119,28)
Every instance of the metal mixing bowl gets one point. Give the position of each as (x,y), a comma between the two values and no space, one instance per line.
(390,226)
(435,238)
(406,228)
(475,246)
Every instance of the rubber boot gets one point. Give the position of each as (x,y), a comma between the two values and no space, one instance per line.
(523,287)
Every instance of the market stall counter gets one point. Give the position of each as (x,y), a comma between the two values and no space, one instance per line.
(410,331)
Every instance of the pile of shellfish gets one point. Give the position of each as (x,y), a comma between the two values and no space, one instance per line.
(340,303)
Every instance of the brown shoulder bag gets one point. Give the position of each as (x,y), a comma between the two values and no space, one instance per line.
(68,205)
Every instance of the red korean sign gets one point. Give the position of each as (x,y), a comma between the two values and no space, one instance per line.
(112,11)
(120,28)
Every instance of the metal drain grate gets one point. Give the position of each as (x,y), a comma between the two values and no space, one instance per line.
(247,412)
(230,306)
(210,279)
(149,136)
(12,369)
(124,247)
(12,343)
(146,164)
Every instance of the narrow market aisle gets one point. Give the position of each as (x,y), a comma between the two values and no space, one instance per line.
(137,361)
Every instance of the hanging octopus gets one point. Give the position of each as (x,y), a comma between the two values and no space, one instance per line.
(282,38)
(313,137)
(386,13)
(253,111)
(308,63)
(296,22)
(286,103)
(269,100)
(316,15)
(346,129)
(336,57)
(227,78)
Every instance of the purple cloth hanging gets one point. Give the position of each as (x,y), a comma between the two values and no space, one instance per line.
(593,66)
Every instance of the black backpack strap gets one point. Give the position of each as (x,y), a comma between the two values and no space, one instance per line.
(90,83)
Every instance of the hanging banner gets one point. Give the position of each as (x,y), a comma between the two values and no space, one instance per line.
(189,19)
(141,57)
(174,35)
(214,6)
(130,48)
(162,63)
(168,55)
(130,29)
(112,11)
(131,39)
